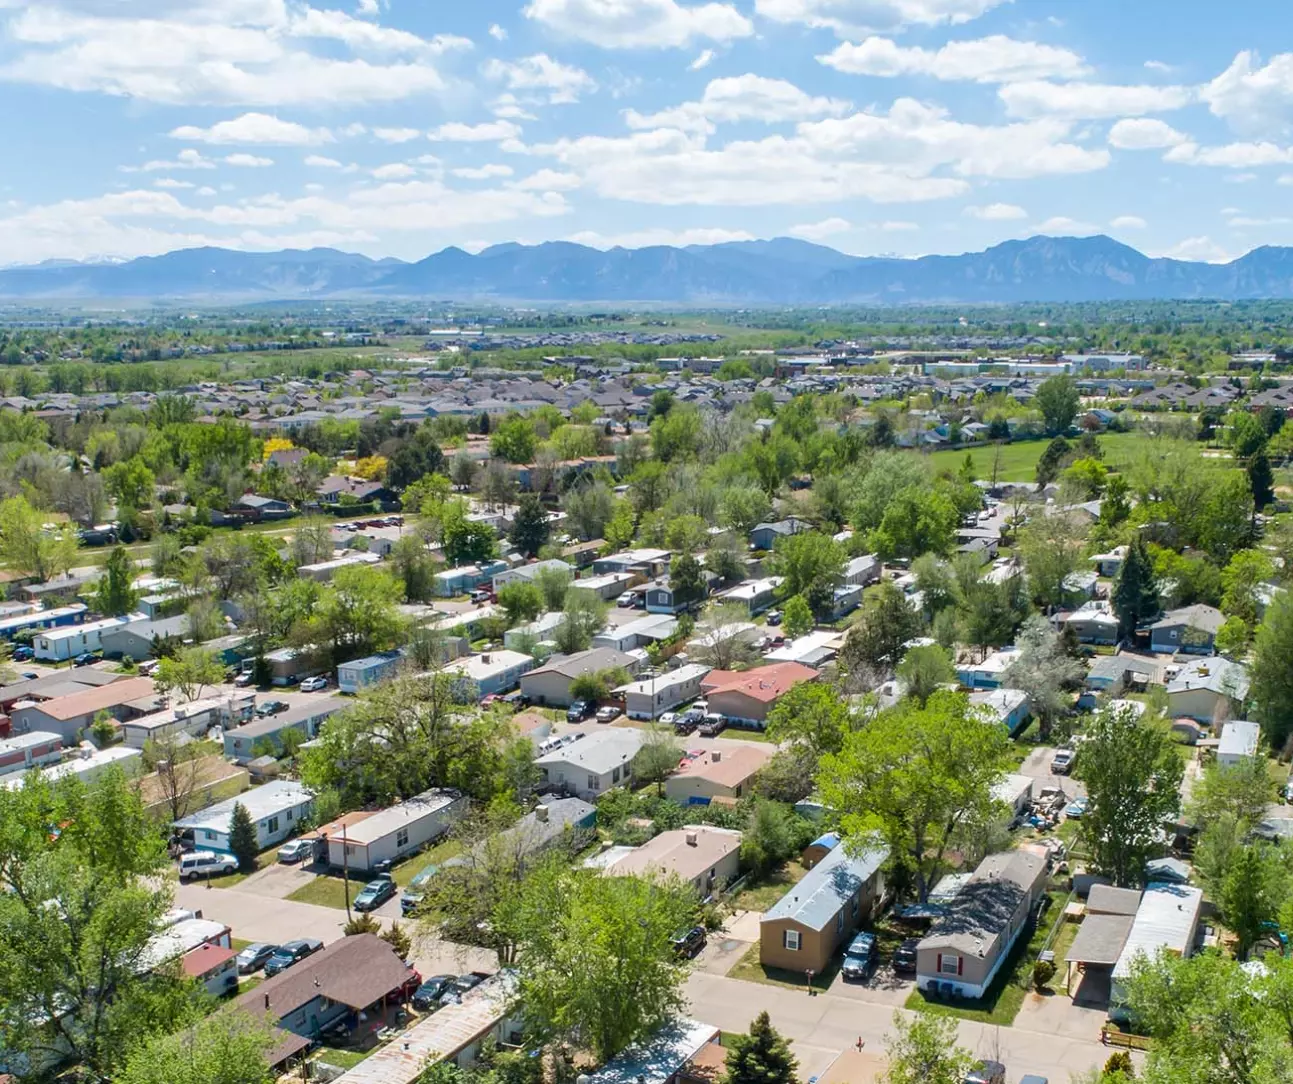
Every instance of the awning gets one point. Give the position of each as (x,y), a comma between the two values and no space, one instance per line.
(1100,940)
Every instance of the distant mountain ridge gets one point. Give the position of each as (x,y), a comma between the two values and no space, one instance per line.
(781,271)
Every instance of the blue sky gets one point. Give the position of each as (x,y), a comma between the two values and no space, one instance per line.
(397,127)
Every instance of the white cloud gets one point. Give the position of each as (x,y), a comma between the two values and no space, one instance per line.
(394,171)
(1198,248)
(221,52)
(482,173)
(994,59)
(318,161)
(205,190)
(1090,101)
(743,97)
(1065,227)
(497,32)
(171,182)
(857,17)
(186,159)
(508,107)
(1252,97)
(255,128)
(1240,222)
(489,132)
(547,180)
(1230,155)
(898,227)
(367,7)
(660,236)
(396,135)
(561,83)
(1128,222)
(247,161)
(1144,133)
(997,212)
(1159,66)
(639,24)
(702,60)
(820,231)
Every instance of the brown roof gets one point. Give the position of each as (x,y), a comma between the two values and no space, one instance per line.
(355,971)
(204,958)
(91,700)
(732,767)
(673,852)
(764,683)
(527,722)
(333,828)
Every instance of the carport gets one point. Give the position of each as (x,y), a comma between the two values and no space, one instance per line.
(1096,949)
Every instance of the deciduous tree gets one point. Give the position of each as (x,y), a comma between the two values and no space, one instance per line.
(188,673)
(1044,672)
(29,547)
(797,617)
(116,594)
(924,1051)
(1272,672)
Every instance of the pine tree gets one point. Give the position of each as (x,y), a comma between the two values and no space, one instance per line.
(761,1057)
(1260,479)
(397,937)
(242,838)
(530,529)
(1135,594)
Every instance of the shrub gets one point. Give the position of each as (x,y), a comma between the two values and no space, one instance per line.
(1043,972)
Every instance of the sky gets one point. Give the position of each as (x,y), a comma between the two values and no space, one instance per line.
(400,127)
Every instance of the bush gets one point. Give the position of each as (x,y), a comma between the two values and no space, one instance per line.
(364,923)
(1120,1062)
(1043,972)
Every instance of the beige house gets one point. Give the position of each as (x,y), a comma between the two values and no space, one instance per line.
(707,858)
(967,946)
(549,684)
(717,773)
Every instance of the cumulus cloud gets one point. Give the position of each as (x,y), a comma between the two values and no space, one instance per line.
(558,83)
(247,161)
(660,236)
(255,128)
(1128,222)
(1089,101)
(318,161)
(994,59)
(488,132)
(171,182)
(1231,155)
(1198,248)
(497,32)
(486,172)
(1064,226)
(854,18)
(702,60)
(743,97)
(820,231)
(640,24)
(186,159)
(396,135)
(394,171)
(547,180)
(1253,97)
(996,212)
(1145,133)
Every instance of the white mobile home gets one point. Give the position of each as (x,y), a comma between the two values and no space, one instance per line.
(276,809)
(58,645)
(1166,920)
(397,832)
(651,697)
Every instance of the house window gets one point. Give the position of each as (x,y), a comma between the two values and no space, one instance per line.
(790,940)
(402,838)
(615,776)
(271,825)
(949,965)
(593,782)
(289,816)
(839,922)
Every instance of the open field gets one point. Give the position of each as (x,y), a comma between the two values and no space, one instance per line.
(1019,461)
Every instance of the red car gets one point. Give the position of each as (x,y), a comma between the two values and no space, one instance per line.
(408,987)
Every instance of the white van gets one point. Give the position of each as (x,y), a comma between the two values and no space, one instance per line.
(206,864)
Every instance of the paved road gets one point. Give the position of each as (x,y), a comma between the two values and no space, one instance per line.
(819,1027)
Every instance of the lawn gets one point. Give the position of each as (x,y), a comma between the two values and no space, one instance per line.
(327,890)
(263,860)
(761,893)
(406,871)
(1019,461)
(750,969)
(1006,995)
(342,1059)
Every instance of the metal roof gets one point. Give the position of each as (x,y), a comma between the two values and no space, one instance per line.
(260,802)
(1166,919)
(815,901)
(659,1058)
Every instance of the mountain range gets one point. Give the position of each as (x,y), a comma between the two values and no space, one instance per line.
(782,271)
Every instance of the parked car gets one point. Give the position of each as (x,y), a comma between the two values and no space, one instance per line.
(482,597)
(516,700)
(23,653)
(375,893)
(314,684)
(579,711)
(206,864)
(625,602)
(244,679)
(86,658)
(426,998)
(1062,761)
(149,667)
(296,850)
(669,718)
(291,954)
(690,942)
(415,892)
(608,714)
(490,700)
(453,993)
(904,956)
(987,1072)
(254,957)
(713,724)
(266,708)
(774,618)
(1076,808)
(860,958)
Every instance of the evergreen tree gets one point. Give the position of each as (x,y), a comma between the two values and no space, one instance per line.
(1048,466)
(1260,479)
(761,1057)
(686,579)
(1135,594)
(116,593)
(242,838)
(530,529)
(1272,675)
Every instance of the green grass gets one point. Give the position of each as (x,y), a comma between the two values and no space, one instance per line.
(327,890)
(263,860)
(342,1059)
(1006,995)
(750,969)
(1018,462)
(761,893)
(745,734)
(406,871)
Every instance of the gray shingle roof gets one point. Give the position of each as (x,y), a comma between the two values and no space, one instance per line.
(815,901)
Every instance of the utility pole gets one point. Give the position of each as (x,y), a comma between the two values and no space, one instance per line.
(345,870)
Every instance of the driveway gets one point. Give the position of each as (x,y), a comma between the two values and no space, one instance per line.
(253,916)
(1037,765)
(277,881)
(726,946)
(885,987)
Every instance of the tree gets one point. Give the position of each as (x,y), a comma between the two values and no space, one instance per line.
(522,600)
(361,923)
(176,766)
(116,594)
(243,842)
(924,1051)
(1133,778)
(1233,637)
(1058,399)
(399,940)
(78,910)
(918,520)
(1261,479)
(188,673)
(413,564)
(687,580)
(812,565)
(597,967)
(1135,594)
(925,669)
(723,641)
(658,757)
(356,614)
(725,558)
(1252,892)
(1242,790)
(773,832)
(885,622)
(761,1056)
(1241,580)
(530,528)
(1051,546)
(414,458)
(1051,460)
(131,483)
(1044,672)
(797,617)
(223,1048)
(915,777)
(514,440)
(1272,672)
(466,541)
(28,546)
(583,617)
(554,583)
(810,716)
